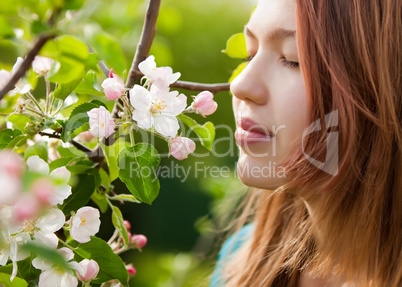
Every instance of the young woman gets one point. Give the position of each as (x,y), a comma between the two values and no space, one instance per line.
(321,99)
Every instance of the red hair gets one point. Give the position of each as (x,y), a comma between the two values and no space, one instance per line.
(351,60)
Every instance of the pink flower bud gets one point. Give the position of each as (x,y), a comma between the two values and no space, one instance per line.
(11,163)
(127,225)
(113,86)
(131,270)
(181,147)
(100,122)
(204,103)
(88,271)
(139,241)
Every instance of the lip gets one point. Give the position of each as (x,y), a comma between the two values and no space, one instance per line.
(250,132)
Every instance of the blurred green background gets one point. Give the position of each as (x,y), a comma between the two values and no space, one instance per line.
(183,222)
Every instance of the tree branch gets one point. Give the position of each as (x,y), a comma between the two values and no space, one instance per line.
(94,155)
(192,86)
(26,64)
(144,45)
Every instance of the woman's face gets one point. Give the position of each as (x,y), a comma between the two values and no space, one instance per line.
(269,96)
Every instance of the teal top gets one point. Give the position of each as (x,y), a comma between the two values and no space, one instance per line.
(232,244)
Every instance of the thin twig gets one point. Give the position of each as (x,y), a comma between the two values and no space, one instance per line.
(26,64)
(145,43)
(193,86)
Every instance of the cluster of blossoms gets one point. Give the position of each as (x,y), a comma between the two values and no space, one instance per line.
(153,106)
(29,213)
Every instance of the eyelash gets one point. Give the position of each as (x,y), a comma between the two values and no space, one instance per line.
(283,61)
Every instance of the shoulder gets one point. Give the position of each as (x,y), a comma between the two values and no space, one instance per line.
(231,245)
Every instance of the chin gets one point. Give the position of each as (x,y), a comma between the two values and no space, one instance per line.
(262,174)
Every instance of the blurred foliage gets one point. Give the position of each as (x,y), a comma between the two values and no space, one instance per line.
(190,36)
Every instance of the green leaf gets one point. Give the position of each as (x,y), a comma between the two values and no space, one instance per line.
(64,90)
(72,55)
(19,121)
(50,254)
(108,49)
(125,197)
(71,151)
(138,167)
(70,70)
(8,135)
(27,271)
(111,153)
(81,193)
(73,4)
(237,71)
(6,30)
(206,132)
(39,149)
(100,201)
(236,46)
(78,122)
(17,282)
(60,162)
(89,86)
(117,219)
(110,265)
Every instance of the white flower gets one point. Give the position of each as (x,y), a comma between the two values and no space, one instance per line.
(181,147)
(40,230)
(84,224)
(161,77)
(100,122)
(22,86)
(157,108)
(113,86)
(5,76)
(42,65)
(60,175)
(56,276)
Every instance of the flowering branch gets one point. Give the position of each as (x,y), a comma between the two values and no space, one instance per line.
(193,86)
(26,64)
(144,45)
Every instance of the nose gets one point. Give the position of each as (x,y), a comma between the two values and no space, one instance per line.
(250,85)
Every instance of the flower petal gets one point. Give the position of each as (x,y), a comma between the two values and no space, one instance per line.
(140,98)
(143,119)
(166,124)
(36,164)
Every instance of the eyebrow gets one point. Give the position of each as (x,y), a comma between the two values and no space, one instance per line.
(275,34)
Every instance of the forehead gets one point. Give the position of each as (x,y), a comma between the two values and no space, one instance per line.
(271,14)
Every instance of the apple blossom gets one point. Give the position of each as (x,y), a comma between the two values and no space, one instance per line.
(161,77)
(139,241)
(127,225)
(113,86)
(181,147)
(157,108)
(60,177)
(204,103)
(22,86)
(5,76)
(101,122)
(11,169)
(88,271)
(54,275)
(41,230)
(131,270)
(84,224)
(42,65)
